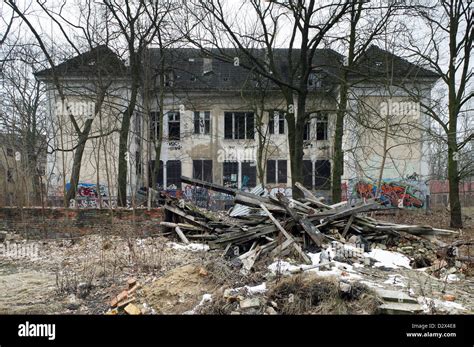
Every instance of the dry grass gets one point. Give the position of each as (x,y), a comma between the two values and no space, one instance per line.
(309,294)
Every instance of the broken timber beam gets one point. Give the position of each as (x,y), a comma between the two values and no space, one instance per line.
(295,245)
(312,197)
(181,235)
(348,212)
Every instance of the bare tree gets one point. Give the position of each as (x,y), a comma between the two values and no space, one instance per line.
(255,33)
(448,51)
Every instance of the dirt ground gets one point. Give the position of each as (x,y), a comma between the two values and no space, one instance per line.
(82,276)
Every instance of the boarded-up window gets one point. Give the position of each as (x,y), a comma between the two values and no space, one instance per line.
(202,170)
(10,175)
(308,174)
(249,174)
(159,174)
(173,126)
(322,173)
(230,174)
(173,174)
(239,125)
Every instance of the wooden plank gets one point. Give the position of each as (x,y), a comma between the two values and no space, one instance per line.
(180,213)
(348,225)
(349,212)
(280,248)
(181,235)
(295,245)
(308,227)
(311,196)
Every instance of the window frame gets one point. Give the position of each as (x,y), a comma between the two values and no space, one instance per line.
(174,114)
(202,122)
(247,132)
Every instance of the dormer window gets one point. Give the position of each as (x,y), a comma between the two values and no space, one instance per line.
(206,66)
(315,79)
(170,78)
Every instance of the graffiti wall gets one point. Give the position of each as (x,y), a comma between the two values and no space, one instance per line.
(395,193)
(88,195)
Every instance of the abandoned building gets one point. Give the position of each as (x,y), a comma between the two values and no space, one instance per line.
(217,115)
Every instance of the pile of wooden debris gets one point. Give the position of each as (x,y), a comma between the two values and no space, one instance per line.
(260,225)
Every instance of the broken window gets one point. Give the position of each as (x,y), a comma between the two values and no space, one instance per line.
(173,174)
(239,125)
(322,126)
(249,174)
(276,118)
(159,175)
(202,122)
(154,126)
(9,152)
(230,174)
(277,171)
(173,126)
(322,174)
(202,170)
(308,174)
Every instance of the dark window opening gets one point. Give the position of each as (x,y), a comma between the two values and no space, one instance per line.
(202,170)
(307,131)
(308,174)
(249,174)
(271,171)
(154,126)
(173,126)
(282,171)
(202,122)
(159,175)
(230,174)
(239,125)
(322,127)
(315,79)
(173,174)
(10,152)
(279,118)
(277,171)
(322,173)
(169,78)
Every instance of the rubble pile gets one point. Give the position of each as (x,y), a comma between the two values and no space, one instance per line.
(276,226)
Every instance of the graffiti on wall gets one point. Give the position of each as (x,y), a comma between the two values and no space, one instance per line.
(395,193)
(87,195)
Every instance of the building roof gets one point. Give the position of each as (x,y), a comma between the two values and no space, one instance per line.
(99,60)
(188,65)
(379,63)
(190,69)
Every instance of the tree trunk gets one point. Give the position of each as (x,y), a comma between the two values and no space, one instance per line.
(453,177)
(338,159)
(123,148)
(76,166)
(295,140)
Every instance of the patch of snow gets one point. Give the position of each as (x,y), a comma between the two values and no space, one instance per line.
(451,278)
(193,247)
(388,259)
(261,288)
(440,305)
(372,284)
